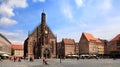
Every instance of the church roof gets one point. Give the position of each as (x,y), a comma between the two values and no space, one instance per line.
(38,28)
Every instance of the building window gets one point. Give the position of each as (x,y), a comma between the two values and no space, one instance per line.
(118,48)
(52,46)
(0,48)
(118,43)
(46,39)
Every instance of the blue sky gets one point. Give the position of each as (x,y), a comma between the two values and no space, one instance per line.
(66,18)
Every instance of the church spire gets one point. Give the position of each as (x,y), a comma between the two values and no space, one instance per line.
(43,18)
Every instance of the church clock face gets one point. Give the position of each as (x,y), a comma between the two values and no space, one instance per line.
(46,32)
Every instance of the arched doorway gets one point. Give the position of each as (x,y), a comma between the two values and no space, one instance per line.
(46,53)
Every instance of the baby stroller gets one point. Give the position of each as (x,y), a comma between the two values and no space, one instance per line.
(45,61)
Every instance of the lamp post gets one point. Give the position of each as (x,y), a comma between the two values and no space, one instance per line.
(60,59)
(46,52)
(51,51)
(60,51)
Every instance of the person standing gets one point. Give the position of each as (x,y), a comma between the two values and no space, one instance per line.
(19,59)
(0,59)
(31,59)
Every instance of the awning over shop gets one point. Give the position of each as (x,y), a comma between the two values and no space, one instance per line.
(5,55)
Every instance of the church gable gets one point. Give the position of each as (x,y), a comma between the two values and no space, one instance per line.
(50,33)
(43,28)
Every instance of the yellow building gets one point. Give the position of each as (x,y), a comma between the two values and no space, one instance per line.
(100,45)
(18,50)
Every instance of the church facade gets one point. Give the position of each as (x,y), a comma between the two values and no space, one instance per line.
(41,42)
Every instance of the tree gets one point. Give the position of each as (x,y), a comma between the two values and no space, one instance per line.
(12,51)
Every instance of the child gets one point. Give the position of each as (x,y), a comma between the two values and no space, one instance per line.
(45,61)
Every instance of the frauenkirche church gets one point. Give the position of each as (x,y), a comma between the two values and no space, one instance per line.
(41,42)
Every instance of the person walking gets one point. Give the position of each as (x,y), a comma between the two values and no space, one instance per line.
(19,59)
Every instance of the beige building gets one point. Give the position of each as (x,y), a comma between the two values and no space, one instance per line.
(18,50)
(90,45)
(68,46)
(77,48)
(5,45)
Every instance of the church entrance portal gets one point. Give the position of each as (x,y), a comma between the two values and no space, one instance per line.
(46,53)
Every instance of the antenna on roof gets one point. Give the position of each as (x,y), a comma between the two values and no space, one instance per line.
(28,33)
(43,10)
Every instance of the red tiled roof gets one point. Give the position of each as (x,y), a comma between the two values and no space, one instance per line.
(116,38)
(69,41)
(89,36)
(18,47)
(98,40)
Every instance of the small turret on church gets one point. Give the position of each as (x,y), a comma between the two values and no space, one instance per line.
(43,18)
(41,42)
(43,23)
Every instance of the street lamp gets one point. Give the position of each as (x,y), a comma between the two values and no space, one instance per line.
(60,54)
(46,52)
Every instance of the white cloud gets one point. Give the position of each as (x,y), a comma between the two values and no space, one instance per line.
(66,9)
(67,12)
(107,4)
(79,3)
(94,11)
(38,0)
(15,37)
(4,21)
(17,3)
(7,10)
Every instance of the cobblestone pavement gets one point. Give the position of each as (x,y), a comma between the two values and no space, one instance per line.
(64,63)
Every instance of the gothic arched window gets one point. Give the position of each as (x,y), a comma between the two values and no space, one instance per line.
(52,46)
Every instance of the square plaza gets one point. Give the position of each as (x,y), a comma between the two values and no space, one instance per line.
(64,63)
